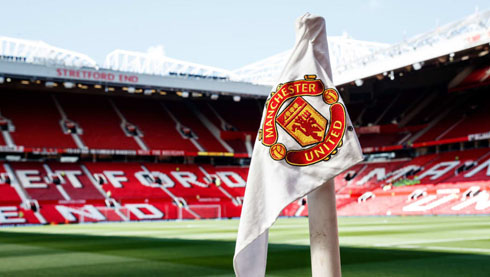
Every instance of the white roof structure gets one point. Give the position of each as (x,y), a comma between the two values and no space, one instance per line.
(472,31)
(39,52)
(353,60)
(156,63)
(343,50)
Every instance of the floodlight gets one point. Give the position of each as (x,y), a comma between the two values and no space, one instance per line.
(392,75)
(68,85)
(417,66)
(148,91)
(50,84)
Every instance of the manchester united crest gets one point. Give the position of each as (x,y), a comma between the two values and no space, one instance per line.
(317,137)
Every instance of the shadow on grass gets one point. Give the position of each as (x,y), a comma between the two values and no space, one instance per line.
(177,257)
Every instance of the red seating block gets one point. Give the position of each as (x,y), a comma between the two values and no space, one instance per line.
(249,111)
(188,119)
(36,120)
(8,195)
(159,130)
(123,184)
(32,177)
(189,183)
(77,184)
(100,123)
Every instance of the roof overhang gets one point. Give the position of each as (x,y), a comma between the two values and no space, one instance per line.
(118,78)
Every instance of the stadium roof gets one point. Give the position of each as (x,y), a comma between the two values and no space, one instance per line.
(343,50)
(39,52)
(351,59)
(154,62)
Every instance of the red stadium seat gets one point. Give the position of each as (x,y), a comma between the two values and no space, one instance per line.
(159,130)
(188,119)
(100,123)
(36,120)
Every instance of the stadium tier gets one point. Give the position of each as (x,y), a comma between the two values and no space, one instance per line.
(413,119)
(33,120)
(86,143)
(155,123)
(449,183)
(452,178)
(102,126)
(69,121)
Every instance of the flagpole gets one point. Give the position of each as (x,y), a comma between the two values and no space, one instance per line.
(278,158)
(324,239)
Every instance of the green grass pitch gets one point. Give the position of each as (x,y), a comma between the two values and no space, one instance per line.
(370,246)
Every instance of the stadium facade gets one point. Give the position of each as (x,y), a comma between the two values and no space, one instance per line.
(147,137)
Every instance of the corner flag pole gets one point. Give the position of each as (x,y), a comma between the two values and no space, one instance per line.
(281,171)
(324,238)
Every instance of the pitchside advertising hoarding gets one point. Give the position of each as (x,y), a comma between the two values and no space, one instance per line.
(173,153)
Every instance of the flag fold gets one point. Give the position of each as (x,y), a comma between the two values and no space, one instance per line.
(305,139)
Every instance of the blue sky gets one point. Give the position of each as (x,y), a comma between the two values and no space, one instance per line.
(226,34)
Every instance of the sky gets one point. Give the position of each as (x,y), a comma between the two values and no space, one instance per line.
(225,34)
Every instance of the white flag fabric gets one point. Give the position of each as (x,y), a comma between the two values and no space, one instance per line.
(305,139)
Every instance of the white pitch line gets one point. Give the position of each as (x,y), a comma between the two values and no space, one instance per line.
(444,248)
(481,250)
(429,241)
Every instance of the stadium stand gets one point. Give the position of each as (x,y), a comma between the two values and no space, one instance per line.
(187,118)
(233,178)
(475,120)
(124,181)
(156,128)
(176,190)
(81,143)
(375,140)
(117,191)
(250,112)
(159,130)
(449,174)
(76,184)
(100,123)
(189,182)
(37,183)
(228,132)
(8,195)
(165,191)
(205,108)
(34,115)
(2,141)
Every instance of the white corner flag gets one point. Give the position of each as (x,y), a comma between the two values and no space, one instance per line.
(305,139)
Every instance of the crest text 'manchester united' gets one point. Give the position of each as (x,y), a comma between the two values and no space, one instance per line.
(318,138)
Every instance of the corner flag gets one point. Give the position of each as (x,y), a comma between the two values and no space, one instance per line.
(305,139)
